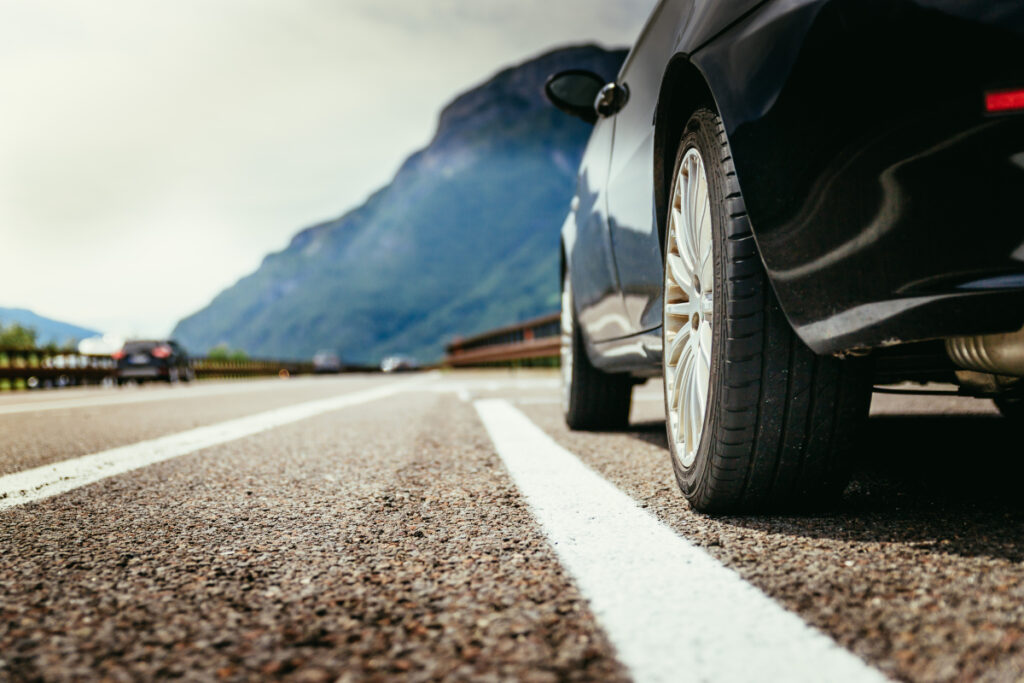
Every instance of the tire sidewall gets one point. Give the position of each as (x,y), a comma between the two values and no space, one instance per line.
(699,135)
(567,376)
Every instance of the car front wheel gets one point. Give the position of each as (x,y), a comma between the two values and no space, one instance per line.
(755,420)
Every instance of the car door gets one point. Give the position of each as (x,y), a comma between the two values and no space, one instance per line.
(592,266)
(632,223)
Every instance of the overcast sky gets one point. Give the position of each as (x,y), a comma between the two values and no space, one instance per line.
(151,153)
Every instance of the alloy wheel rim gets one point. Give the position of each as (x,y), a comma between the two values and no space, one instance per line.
(688,307)
(565,349)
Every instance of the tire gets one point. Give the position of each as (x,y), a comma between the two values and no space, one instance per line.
(591,399)
(777,423)
(172,375)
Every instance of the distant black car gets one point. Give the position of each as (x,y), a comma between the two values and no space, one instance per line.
(782,203)
(144,360)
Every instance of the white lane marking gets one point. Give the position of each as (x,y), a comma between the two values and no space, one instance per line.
(49,480)
(149,395)
(672,611)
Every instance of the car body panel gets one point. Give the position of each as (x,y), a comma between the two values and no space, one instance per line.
(588,246)
(883,200)
(634,233)
(878,190)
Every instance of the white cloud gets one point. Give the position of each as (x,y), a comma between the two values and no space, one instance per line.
(151,153)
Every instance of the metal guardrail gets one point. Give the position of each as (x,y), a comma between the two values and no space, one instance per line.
(40,368)
(31,368)
(206,368)
(533,340)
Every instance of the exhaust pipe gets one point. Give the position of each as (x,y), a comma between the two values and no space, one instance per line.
(996,354)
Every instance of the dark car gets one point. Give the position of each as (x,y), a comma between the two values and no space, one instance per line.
(783,204)
(144,360)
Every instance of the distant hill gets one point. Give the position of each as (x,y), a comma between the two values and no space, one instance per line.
(47,330)
(464,238)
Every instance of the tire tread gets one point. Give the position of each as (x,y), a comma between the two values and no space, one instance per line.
(780,432)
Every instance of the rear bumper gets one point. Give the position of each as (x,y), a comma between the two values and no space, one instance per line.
(142,372)
(885,203)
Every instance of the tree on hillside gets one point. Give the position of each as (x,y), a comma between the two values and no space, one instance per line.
(222,352)
(15,336)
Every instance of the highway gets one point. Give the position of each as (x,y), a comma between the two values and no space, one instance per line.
(448,526)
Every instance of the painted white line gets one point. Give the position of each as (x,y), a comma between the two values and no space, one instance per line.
(672,611)
(49,480)
(124,396)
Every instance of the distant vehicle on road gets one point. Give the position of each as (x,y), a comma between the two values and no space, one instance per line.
(147,360)
(783,204)
(398,364)
(325,362)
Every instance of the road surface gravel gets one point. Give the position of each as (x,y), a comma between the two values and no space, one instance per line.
(919,569)
(378,542)
(386,541)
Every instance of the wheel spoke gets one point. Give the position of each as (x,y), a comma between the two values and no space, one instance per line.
(680,275)
(678,343)
(707,305)
(690,239)
(688,253)
(704,343)
(695,407)
(678,376)
(707,264)
(701,195)
(691,194)
(685,400)
(676,223)
(684,309)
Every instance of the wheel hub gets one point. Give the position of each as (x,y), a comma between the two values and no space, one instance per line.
(688,307)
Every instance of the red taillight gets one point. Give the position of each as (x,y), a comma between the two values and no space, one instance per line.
(161,352)
(117,355)
(1004,100)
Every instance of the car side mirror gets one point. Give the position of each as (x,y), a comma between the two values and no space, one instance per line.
(575,92)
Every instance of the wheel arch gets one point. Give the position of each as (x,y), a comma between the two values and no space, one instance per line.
(684,89)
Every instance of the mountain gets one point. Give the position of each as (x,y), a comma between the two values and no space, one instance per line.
(47,330)
(464,239)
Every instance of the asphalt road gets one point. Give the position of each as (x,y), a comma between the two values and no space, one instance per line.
(449,526)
